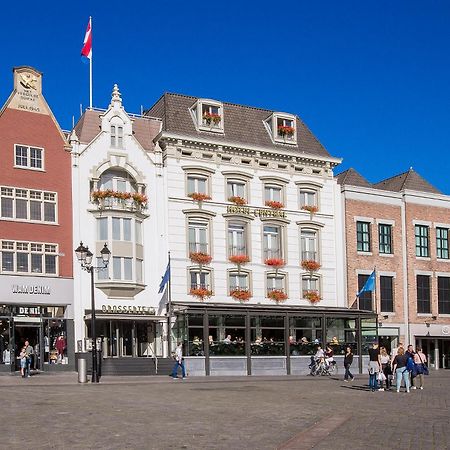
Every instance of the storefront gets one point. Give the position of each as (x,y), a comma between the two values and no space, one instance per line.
(250,340)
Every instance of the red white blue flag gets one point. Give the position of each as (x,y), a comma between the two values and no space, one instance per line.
(86,51)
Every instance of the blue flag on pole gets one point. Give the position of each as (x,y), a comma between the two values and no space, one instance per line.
(369,285)
(165,279)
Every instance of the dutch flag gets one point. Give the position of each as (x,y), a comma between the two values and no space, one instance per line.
(86,51)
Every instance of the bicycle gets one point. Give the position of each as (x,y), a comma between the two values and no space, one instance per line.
(321,368)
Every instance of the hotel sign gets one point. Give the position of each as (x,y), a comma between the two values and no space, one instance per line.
(275,213)
(143,310)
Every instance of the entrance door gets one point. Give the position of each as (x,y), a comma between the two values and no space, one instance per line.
(126,338)
(31,333)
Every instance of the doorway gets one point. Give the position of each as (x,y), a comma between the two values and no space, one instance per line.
(31,333)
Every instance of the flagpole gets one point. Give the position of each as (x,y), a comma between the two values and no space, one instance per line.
(169,294)
(90,69)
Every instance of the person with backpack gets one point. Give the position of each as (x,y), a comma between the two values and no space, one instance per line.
(400,369)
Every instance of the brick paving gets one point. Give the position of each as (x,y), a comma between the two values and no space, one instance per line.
(55,412)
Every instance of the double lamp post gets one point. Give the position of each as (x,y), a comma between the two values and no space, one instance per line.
(84,256)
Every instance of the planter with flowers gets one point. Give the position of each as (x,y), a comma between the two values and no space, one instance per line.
(276,263)
(211,118)
(312,296)
(199,197)
(237,200)
(278,295)
(274,204)
(128,200)
(285,131)
(312,209)
(243,295)
(239,260)
(200,293)
(200,258)
(310,265)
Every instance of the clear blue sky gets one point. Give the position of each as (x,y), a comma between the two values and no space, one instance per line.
(370,78)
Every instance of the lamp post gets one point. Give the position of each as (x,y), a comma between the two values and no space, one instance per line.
(84,256)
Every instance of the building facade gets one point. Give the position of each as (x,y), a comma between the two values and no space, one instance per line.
(36,285)
(399,227)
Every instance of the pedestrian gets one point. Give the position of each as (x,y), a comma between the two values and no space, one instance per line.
(374,367)
(395,352)
(410,353)
(179,362)
(29,352)
(420,360)
(385,367)
(23,362)
(400,369)
(348,361)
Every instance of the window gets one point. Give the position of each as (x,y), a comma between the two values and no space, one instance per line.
(308,197)
(272,241)
(28,157)
(282,128)
(444,295)
(387,294)
(308,242)
(363,236)
(273,193)
(102,228)
(122,268)
(423,294)
(26,204)
(237,242)
(103,273)
(236,188)
(138,232)
(29,258)
(365,299)
(276,282)
(422,241)
(200,280)
(117,180)
(310,283)
(121,229)
(442,243)
(116,136)
(197,183)
(208,115)
(198,236)
(238,281)
(385,238)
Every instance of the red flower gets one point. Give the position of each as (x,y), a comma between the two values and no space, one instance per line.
(239,259)
(274,204)
(139,199)
(312,209)
(237,200)
(242,295)
(211,117)
(199,197)
(200,293)
(312,296)
(284,130)
(200,257)
(278,295)
(311,265)
(274,262)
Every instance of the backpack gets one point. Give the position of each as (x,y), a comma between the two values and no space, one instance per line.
(410,366)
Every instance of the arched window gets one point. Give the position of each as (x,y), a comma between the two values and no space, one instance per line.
(117,180)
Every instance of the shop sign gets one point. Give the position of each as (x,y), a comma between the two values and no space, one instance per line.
(30,289)
(276,213)
(28,311)
(144,310)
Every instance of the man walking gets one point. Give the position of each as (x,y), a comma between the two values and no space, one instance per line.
(29,352)
(179,362)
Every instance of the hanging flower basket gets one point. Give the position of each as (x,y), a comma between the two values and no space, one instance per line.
(200,258)
(199,197)
(312,296)
(237,200)
(200,293)
(286,131)
(243,295)
(276,263)
(133,198)
(274,204)
(278,295)
(310,265)
(211,118)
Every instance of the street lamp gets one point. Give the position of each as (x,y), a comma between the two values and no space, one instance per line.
(84,256)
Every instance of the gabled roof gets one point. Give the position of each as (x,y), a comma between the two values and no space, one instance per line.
(144,128)
(410,180)
(243,125)
(353,178)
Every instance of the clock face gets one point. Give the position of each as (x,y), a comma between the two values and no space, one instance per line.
(28,80)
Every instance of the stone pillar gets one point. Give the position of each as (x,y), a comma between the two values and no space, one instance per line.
(436,354)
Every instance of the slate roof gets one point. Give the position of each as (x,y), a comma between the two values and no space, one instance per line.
(243,125)
(353,178)
(144,128)
(408,180)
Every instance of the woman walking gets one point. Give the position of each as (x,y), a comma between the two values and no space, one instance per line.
(348,360)
(374,366)
(420,360)
(385,360)
(399,368)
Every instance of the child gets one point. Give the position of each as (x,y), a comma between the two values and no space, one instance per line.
(23,361)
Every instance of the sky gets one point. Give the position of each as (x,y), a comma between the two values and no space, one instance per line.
(371,79)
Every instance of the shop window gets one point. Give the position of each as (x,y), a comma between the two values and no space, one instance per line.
(304,335)
(27,157)
(387,294)
(6,350)
(423,294)
(363,236)
(422,241)
(267,336)
(194,333)
(226,335)
(55,342)
(341,333)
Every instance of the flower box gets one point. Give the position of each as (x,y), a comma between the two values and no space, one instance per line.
(242,295)
(278,295)
(199,197)
(211,118)
(312,296)
(310,265)
(237,200)
(285,131)
(200,293)
(128,199)
(274,204)
(274,262)
(312,209)
(200,258)
(239,259)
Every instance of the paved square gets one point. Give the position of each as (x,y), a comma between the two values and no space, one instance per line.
(54,412)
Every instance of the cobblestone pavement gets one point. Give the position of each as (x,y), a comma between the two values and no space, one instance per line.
(55,412)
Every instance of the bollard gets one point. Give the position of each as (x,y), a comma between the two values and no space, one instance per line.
(82,371)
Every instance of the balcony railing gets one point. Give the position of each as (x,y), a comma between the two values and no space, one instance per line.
(198,247)
(309,256)
(200,286)
(269,254)
(236,250)
(271,289)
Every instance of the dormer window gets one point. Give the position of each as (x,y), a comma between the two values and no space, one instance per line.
(282,128)
(116,136)
(208,115)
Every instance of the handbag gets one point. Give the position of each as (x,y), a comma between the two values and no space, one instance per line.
(381,376)
(423,367)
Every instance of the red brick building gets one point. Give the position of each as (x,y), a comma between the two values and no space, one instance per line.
(36,284)
(400,227)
